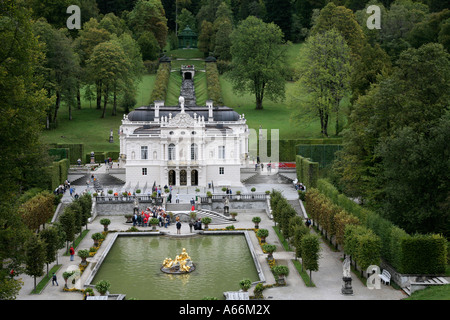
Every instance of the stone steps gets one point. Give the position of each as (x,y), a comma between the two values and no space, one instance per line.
(415,286)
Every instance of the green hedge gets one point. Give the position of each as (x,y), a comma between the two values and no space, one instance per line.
(213,83)
(324,154)
(114,155)
(288,148)
(76,150)
(63,169)
(161,83)
(424,254)
(363,245)
(59,153)
(57,173)
(307,172)
(98,156)
(418,254)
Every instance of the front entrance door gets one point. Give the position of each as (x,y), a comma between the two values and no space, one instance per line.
(183,178)
(194,178)
(172,178)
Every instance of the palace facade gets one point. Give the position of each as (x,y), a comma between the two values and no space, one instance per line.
(183,145)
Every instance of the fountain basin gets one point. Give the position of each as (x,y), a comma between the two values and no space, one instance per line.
(132,264)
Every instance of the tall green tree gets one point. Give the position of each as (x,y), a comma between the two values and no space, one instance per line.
(89,37)
(398,22)
(108,65)
(149,15)
(35,257)
(23,101)
(258,60)
(223,28)
(310,247)
(324,78)
(414,96)
(186,18)
(280,12)
(50,238)
(344,21)
(206,38)
(416,185)
(61,68)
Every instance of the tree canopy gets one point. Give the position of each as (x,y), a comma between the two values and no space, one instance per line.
(258,58)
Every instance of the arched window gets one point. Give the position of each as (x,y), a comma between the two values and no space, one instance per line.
(194,151)
(171,151)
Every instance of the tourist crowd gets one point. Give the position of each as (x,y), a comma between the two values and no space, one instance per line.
(142,219)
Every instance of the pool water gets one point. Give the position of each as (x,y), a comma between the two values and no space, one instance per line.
(133,264)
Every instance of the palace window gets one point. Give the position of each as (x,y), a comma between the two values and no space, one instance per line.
(221,152)
(194,151)
(221,170)
(144,171)
(171,151)
(144,152)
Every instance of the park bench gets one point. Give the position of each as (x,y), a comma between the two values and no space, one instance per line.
(385,277)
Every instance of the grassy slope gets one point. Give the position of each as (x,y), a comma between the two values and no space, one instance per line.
(273,116)
(432,293)
(87,127)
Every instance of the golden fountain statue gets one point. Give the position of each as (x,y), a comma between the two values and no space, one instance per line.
(181,264)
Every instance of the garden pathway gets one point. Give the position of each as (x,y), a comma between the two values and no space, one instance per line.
(328,279)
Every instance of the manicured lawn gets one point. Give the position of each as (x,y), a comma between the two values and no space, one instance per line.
(274,115)
(185,54)
(87,127)
(432,293)
(201,91)
(173,89)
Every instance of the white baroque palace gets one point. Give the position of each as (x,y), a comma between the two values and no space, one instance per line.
(183,145)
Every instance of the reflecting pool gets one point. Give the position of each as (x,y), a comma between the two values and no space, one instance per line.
(133,264)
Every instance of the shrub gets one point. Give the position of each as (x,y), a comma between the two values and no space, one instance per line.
(102,286)
(424,254)
(213,83)
(263,234)
(280,271)
(256,219)
(206,220)
(245,284)
(269,248)
(105,222)
(83,253)
(161,83)
(153,221)
(258,291)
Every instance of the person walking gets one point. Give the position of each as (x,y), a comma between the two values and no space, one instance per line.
(54,280)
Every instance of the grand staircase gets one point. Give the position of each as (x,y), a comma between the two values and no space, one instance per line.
(185,209)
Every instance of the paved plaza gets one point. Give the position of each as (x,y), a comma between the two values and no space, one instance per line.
(328,279)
